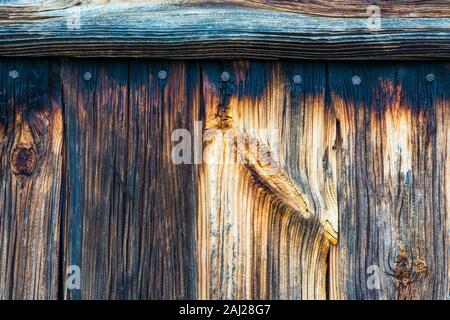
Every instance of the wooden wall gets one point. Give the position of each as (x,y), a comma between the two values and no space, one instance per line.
(362,179)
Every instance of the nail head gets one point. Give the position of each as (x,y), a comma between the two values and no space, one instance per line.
(297,79)
(87,76)
(162,74)
(356,80)
(430,77)
(225,76)
(14,74)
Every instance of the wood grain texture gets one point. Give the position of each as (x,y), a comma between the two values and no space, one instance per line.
(131,211)
(226,30)
(31,136)
(262,221)
(393,179)
(337,8)
(315,157)
(353,8)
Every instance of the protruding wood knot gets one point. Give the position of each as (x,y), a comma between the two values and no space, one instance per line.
(23,161)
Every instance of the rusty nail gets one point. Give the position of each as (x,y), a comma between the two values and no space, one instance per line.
(87,76)
(430,77)
(14,74)
(162,74)
(225,76)
(297,79)
(356,80)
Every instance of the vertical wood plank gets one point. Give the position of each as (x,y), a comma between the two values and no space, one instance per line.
(31,139)
(393,180)
(131,211)
(261,228)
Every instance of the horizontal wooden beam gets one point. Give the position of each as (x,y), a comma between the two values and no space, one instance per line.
(355,8)
(231,29)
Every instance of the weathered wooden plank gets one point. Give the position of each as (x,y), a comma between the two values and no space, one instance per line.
(31,138)
(263,216)
(131,211)
(161,29)
(336,8)
(393,180)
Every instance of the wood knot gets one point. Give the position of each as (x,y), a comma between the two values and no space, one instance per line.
(23,161)
(402,267)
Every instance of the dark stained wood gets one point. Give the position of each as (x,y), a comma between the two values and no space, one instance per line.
(31,136)
(393,184)
(130,211)
(225,30)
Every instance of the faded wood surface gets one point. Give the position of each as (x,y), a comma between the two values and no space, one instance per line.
(225,29)
(364,166)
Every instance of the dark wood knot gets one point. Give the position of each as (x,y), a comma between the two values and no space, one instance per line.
(23,161)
